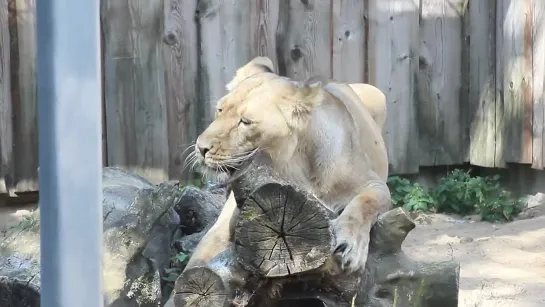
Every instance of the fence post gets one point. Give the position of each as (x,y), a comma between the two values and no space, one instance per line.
(70,145)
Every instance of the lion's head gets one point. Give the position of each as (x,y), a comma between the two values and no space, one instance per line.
(261,112)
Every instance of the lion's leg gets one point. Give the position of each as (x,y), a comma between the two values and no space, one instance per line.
(353,226)
(219,236)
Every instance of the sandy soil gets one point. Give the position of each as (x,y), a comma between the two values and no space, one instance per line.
(501,264)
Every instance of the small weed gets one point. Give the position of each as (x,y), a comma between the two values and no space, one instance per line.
(178,262)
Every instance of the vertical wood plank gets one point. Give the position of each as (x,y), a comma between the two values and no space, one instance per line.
(441,125)
(499,157)
(6,126)
(348,20)
(134,86)
(538,78)
(393,64)
(24,96)
(517,69)
(224,47)
(181,77)
(482,82)
(304,36)
(264,15)
(236,36)
(211,69)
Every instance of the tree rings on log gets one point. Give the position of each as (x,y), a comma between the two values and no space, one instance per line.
(282,231)
(200,287)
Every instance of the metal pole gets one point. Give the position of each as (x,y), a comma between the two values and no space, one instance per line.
(69,123)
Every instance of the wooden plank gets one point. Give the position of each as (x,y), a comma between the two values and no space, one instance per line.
(236,34)
(181,59)
(348,22)
(134,87)
(441,125)
(499,157)
(224,29)
(24,99)
(538,79)
(304,38)
(393,64)
(482,82)
(264,16)
(211,70)
(517,86)
(6,126)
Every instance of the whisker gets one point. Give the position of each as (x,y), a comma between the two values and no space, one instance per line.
(192,146)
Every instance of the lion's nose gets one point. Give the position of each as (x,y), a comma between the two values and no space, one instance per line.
(203,146)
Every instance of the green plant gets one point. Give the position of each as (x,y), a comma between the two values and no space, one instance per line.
(461,193)
(458,192)
(418,199)
(412,197)
(399,187)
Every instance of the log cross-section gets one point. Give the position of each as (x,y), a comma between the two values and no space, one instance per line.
(283,232)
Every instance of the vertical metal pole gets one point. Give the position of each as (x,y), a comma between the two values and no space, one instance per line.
(69,123)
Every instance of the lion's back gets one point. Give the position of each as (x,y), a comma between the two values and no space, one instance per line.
(367,107)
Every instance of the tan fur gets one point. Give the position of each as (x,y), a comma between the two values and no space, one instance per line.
(325,137)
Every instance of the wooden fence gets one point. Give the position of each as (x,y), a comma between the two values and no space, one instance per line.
(464,78)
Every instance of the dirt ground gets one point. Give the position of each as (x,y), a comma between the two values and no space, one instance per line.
(501,264)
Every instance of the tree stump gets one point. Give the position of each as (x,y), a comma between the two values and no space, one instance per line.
(278,251)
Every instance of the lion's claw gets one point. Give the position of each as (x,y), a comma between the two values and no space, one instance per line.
(352,245)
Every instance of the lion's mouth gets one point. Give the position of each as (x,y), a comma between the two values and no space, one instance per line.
(223,171)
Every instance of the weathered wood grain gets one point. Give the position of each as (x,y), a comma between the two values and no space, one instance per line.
(180,52)
(264,15)
(538,79)
(517,83)
(134,86)
(211,77)
(482,82)
(6,126)
(24,96)
(304,38)
(393,64)
(441,127)
(499,157)
(224,47)
(236,34)
(348,41)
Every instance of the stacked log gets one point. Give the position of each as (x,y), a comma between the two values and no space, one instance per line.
(278,249)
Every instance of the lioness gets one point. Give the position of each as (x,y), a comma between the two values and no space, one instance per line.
(325,137)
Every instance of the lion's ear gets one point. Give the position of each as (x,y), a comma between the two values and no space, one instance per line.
(255,66)
(299,111)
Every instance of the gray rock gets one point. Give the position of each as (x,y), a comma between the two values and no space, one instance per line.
(535,200)
(199,209)
(139,222)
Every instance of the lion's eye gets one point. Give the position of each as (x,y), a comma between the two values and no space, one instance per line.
(244,121)
(219,110)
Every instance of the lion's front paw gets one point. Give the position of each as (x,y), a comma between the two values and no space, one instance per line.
(352,243)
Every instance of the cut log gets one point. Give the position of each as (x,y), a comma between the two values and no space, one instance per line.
(210,285)
(389,279)
(276,250)
(282,230)
(284,236)
(212,276)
